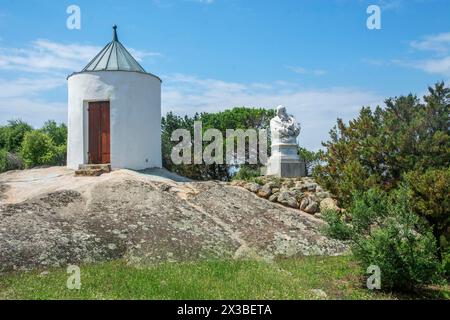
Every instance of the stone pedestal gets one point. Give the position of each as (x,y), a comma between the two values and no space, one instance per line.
(285,162)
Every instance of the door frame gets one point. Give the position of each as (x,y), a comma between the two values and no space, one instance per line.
(87,130)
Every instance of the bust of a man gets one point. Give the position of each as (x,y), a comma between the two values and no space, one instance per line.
(284,128)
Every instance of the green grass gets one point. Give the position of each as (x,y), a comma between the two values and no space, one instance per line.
(285,279)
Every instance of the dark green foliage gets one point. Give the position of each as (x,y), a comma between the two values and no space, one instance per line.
(380,146)
(21,145)
(169,124)
(336,227)
(3,160)
(236,118)
(58,133)
(429,194)
(368,209)
(38,149)
(311,158)
(247,173)
(11,135)
(9,161)
(386,232)
(406,142)
(446,262)
(401,244)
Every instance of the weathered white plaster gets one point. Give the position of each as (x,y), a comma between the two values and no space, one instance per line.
(135,111)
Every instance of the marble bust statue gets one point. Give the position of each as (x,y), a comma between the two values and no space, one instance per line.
(284,128)
(284,161)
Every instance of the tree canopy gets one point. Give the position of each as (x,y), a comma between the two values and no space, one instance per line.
(404,145)
(236,118)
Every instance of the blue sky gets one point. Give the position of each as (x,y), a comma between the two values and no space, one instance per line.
(317,57)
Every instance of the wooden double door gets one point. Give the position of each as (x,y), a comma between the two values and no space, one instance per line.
(99,132)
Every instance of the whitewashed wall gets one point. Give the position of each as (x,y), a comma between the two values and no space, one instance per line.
(135,111)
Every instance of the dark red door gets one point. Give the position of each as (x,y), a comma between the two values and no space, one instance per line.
(99,133)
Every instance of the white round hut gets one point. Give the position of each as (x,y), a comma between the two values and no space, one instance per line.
(114,112)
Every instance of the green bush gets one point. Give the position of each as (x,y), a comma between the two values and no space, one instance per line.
(407,259)
(3,160)
(58,133)
(368,209)
(60,157)
(380,146)
(235,118)
(11,135)
(407,142)
(446,262)
(247,173)
(385,231)
(310,158)
(38,149)
(9,161)
(336,227)
(429,193)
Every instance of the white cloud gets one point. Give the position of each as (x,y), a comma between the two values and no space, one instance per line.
(20,98)
(48,56)
(141,55)
(437,47)
(304,71)
(377,62)
(28,87)
(23,97)
(439,43)
(172,3)
(316,109)
(35,111)
(385,5)
(436,66)
(203,1)
(390,4)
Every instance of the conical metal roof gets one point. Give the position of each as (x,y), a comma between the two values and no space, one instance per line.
(114,57)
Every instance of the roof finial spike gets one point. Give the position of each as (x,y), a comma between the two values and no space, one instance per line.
(115,38)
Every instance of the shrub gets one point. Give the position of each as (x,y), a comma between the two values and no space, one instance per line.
(401,244)
(408,141)
(247,173)
(378,147)
(336,227)
(58,133)
(429,193)
(310,158)
(407,259)
(446,262)
(38,149)
(3,160)
(367,210)
(9,161)
(11,135)
(385,231)
(60,157)
(236,118)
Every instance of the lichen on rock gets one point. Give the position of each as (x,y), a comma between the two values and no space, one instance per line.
(299,193)
(129,216)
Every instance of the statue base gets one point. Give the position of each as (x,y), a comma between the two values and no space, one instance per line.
(285,162)
(285,169)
